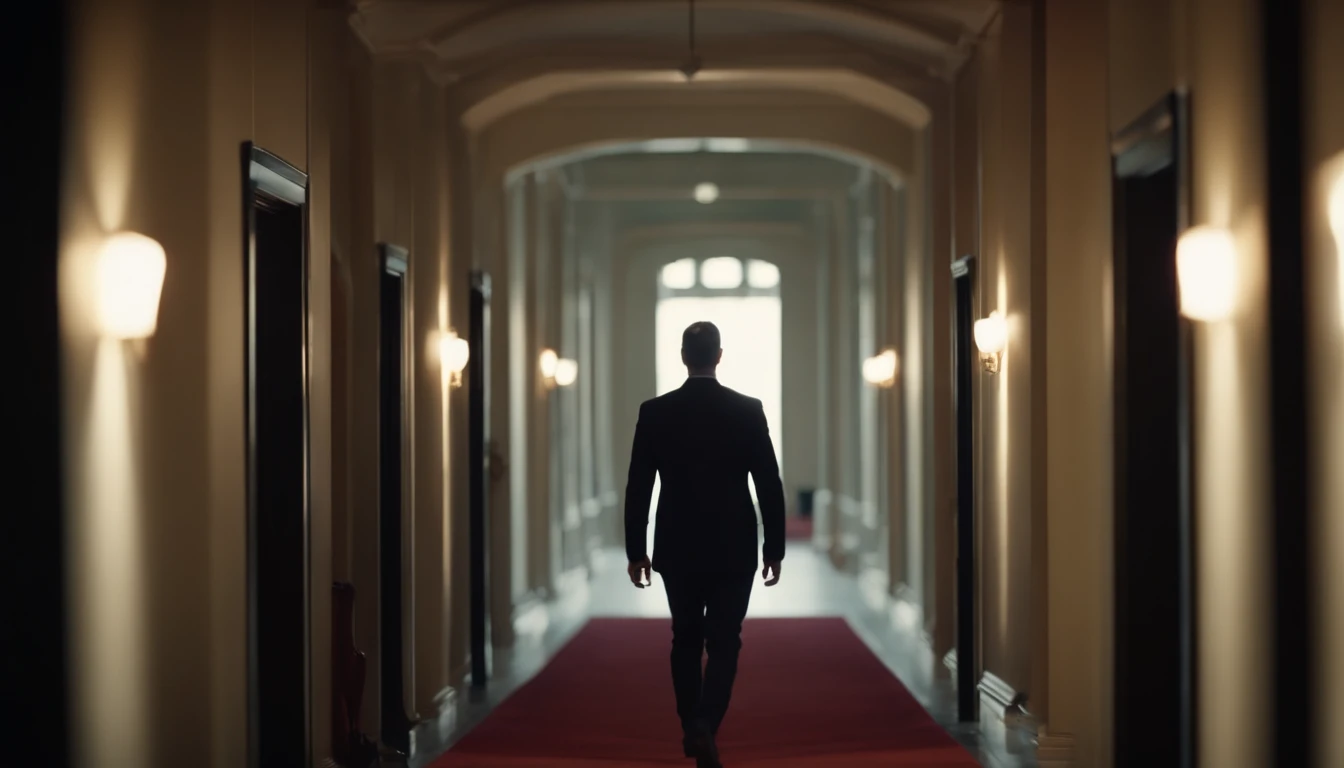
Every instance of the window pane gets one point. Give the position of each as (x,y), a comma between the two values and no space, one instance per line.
(722,272)
(679,275)
(762,274)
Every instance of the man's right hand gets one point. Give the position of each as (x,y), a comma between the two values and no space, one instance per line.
(771,573)
(640,572)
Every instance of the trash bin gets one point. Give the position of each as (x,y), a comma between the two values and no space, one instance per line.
(805,497)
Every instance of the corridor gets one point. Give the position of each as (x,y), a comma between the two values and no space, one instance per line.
(336,319)
(811,588)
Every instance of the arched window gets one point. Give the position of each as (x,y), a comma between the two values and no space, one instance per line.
(718,276)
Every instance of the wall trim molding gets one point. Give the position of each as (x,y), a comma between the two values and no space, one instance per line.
(1005,701)
(1054,750)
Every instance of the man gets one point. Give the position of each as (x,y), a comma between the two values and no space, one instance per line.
(704,439)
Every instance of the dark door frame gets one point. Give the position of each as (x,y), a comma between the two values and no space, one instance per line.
(396,725)
(963,373)
(35,547)
(1157,141)
(1294,591)
(269,180)
(477,469)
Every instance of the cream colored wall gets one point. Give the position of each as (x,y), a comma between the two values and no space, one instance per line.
(1212,54)
(1231,390)
(1078,381)
(155,440)
(1007,446)
(1325,173)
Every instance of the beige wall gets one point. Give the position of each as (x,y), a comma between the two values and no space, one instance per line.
(1212,53)
(155,435)
(1325,265)
(155,440)
(1078,381)
(1006,443)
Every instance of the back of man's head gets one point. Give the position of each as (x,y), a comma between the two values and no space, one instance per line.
(700,345)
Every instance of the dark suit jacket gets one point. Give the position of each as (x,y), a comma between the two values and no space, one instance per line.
(703,439)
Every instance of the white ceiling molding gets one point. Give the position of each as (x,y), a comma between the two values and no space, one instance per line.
(557,132)
(504,24)
(490,46)
(860,89)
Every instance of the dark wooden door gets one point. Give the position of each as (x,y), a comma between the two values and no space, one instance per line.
(396,724)
(276,263)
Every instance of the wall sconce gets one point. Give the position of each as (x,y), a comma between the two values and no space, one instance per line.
(1206,268)
(131,268)
(548,362)
(1336,209)
(880,369)
(454,353)
(566,371)
(557,371)
(991,336)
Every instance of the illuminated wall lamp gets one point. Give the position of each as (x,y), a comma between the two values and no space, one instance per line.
(880,369)
(454,353)
(566,371)
(991,336)
(130,268)
(548,362)
(1336,210)
(1206,268)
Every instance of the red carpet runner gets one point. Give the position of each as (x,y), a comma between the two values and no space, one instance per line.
(809,693)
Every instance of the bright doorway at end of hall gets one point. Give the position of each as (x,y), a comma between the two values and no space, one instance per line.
(742,299)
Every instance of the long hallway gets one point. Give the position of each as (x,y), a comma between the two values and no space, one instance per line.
(811,589)
(336,321)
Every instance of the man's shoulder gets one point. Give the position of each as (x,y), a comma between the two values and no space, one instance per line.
(740,399)
(656,403)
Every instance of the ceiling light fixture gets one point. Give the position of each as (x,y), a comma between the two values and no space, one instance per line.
(706,193)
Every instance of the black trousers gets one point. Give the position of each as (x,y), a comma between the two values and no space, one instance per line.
(707,613)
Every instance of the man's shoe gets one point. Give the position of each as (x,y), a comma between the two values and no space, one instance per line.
(704,749)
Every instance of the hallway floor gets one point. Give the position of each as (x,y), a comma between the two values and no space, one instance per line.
(810,588)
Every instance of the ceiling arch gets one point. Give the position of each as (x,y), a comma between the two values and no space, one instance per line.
(833,126)
(464,40)
(861,89)
(920,35)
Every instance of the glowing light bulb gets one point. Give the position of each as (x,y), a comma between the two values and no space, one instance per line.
(548,362)
(706,193)
(880,369)
(131,268)
(991,334)
(1206,268)
(566,371)
(454,354)
(1337,227)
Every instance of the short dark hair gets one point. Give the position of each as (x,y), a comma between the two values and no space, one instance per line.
(700,345)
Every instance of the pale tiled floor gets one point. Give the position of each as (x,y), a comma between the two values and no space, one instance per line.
(810,587)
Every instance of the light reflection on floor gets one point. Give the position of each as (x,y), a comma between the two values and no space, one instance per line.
(810,587)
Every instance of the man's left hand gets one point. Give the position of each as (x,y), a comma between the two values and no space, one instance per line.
(641,573)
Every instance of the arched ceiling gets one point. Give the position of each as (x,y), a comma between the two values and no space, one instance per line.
(500,56)
(758,171)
